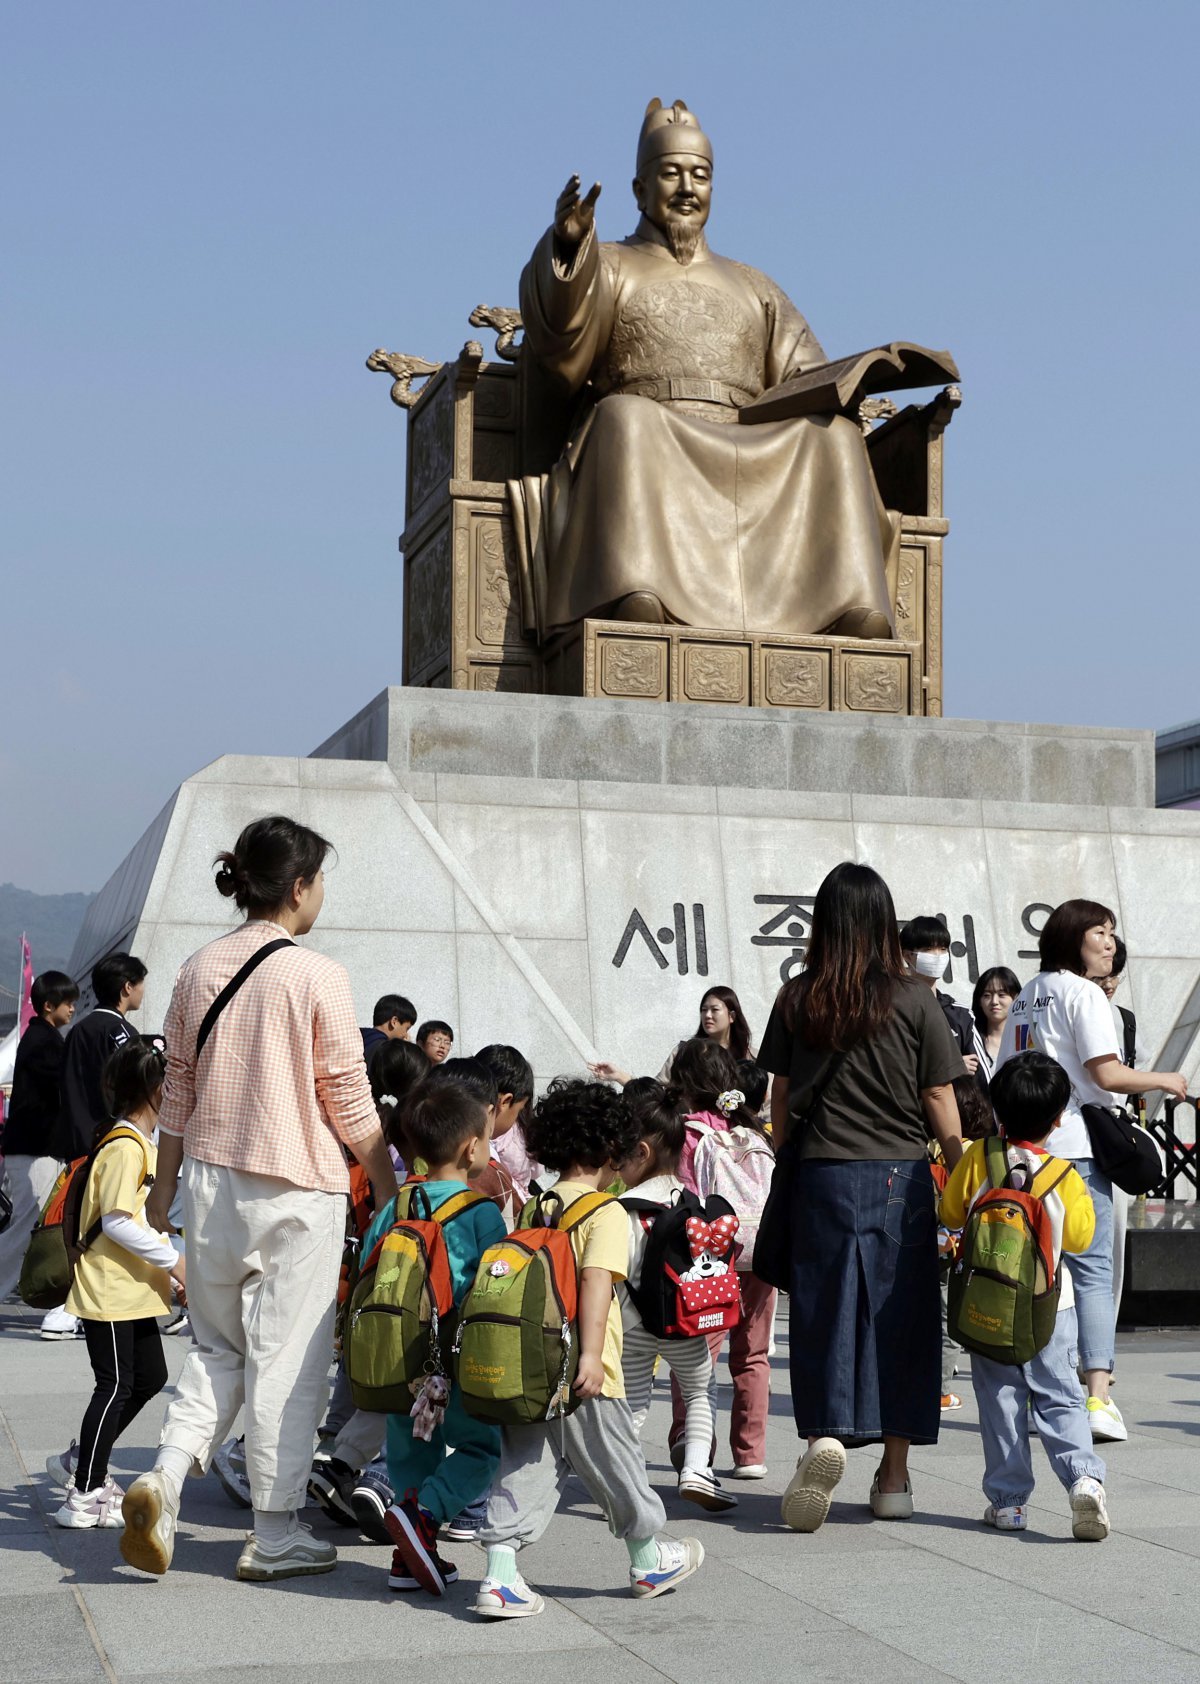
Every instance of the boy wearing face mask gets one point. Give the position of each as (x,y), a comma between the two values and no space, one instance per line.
(925,943)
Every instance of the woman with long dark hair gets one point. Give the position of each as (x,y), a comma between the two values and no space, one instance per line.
(991,1003)
(721,1020)
(863,1063)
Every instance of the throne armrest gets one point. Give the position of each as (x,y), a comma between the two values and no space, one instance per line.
(906,455)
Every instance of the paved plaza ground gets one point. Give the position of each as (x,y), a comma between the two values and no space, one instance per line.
(939,1597)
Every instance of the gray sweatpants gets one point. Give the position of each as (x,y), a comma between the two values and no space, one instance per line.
(599,1443)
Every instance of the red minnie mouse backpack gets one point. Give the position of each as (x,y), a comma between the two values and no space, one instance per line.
(689,1282)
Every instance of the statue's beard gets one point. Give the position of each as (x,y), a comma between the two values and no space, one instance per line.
(683,234)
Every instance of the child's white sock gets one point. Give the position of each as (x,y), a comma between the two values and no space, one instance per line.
(174,1465)
(502,1564)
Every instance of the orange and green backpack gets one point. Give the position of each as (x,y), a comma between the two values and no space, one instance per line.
(56,1244)
(400,1320)
(517,1346)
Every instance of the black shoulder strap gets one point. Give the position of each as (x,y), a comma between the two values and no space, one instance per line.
(1129,1026)
(232,986)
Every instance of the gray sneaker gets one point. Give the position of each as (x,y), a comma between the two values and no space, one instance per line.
(299,1554)
(229,1465)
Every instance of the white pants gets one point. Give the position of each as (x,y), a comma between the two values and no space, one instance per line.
(262,1261)
(29,1184)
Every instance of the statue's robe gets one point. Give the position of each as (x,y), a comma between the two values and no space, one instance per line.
(775,527)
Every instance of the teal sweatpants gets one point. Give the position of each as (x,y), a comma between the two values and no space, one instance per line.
(455,1468)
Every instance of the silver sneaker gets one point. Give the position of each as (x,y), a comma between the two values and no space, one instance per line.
(299,1554)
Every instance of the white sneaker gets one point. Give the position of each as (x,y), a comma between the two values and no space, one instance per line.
(57,1324)
(496,1601)
(1105,1421)
(1089,1511)
(678,1559)
(810,1490)
(1011,1519)
(700,1485)
(86,1510)
(298,1555)
(151,1513)
(749,1470)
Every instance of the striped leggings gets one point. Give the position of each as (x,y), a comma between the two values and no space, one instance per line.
(690,1361)
(130,1369)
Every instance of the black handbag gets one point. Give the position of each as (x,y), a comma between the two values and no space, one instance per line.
(773,1246)
(1122,1150)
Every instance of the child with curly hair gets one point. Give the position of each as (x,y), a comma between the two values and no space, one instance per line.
(584,1130)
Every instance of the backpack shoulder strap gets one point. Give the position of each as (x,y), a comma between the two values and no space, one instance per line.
(122,1132)
(587,1204)
(457,1204)
(996,1155)
(1048,1177)
(1129,1034)
(232,986)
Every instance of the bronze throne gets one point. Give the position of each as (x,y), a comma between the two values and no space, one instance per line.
(478,429)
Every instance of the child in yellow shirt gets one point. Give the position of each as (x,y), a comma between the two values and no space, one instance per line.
(584,1130)
(122,1283)
(1029,1095)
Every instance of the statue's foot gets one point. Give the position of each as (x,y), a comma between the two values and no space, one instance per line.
(640,605)
(862,622)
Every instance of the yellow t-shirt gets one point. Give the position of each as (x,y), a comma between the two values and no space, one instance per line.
(111,1284)
(601,1241)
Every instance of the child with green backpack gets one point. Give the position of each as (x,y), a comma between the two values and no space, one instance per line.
(584,1131)
(439,1457)
(1011,1304)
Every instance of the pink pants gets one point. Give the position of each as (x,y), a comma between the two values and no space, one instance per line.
(750,1370)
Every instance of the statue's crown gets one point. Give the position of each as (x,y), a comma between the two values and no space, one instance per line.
(671,128)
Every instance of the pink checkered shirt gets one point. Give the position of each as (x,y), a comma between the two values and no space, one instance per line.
(281,1078)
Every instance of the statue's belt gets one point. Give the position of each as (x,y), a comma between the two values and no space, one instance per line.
(696,391)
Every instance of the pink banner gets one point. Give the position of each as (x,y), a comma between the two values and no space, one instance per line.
(26,1017)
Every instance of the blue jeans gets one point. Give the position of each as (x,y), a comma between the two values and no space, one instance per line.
(865,1312)
(1092,1273)
(1003,1392)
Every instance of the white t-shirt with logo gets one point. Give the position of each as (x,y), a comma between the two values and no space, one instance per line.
(1068,1018)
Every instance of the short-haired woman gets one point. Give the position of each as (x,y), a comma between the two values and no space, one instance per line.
(1063,1013)
(258,1119)
(991,1003)
(863,1061)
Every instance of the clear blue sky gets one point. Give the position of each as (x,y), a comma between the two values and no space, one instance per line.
(215,211)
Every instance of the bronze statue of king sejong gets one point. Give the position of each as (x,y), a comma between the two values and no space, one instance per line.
(659,509)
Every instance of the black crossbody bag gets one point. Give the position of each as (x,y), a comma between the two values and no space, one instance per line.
(232,986)
(773,1246)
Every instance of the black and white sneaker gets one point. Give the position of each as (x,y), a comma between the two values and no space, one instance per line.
(329,1485)
(371,1499)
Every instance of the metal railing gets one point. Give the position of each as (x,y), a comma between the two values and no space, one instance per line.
(1179,1155)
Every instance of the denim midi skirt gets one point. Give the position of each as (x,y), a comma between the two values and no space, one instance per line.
(865,1313)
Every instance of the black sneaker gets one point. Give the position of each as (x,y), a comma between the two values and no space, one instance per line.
(328,1484)
(371,1499)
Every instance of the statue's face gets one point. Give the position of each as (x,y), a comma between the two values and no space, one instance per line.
(675,189)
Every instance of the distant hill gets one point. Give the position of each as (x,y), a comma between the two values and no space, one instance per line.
(50,921)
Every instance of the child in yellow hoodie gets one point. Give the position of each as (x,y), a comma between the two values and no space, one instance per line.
(1028,1095)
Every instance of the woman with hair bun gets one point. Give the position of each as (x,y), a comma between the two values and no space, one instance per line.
(265,1085)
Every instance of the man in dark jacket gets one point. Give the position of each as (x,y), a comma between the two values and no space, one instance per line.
(33,1138)
(118,982)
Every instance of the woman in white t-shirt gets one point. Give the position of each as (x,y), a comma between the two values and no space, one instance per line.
(1062,1013)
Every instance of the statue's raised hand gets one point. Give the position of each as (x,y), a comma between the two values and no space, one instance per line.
(573,216)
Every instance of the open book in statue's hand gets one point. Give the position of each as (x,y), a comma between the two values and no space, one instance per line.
(839,387)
